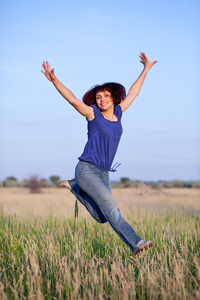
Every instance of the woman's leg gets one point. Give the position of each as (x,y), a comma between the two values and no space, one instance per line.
(85,199)
(92,182)
(89,203)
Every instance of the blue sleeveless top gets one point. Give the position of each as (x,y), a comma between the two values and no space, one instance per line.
(103,139)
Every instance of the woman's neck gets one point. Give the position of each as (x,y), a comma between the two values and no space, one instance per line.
(109,114)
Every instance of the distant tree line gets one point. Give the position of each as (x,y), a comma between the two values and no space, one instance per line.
(35,184)
(126,182)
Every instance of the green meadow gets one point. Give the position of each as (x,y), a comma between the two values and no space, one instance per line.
(52,255)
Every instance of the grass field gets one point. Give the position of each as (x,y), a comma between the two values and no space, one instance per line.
(45,253)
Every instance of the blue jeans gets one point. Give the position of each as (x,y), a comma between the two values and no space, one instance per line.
(93,190)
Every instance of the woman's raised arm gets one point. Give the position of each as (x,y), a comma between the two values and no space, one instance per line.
(136,87)
(81,107)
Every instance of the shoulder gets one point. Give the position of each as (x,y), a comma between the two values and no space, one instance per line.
(95,110)
(118,111)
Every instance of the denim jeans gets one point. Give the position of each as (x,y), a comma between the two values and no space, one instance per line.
(93,190)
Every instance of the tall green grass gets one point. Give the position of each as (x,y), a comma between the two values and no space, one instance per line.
(53,258)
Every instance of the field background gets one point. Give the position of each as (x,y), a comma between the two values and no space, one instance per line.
(48,254)
(60,201)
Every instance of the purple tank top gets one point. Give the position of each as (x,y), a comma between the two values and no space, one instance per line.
(103,139)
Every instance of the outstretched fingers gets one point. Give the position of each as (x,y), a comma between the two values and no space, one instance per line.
(145,61)
(47,71)
(142,57)
(48,65)
(44,67)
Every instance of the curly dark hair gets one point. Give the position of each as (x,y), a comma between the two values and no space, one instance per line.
(118,92)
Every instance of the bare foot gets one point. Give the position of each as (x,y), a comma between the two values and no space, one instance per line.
(142,247)
(67,183)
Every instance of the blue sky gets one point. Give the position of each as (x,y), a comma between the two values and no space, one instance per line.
(88,43)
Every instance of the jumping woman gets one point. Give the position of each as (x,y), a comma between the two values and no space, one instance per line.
(103,106)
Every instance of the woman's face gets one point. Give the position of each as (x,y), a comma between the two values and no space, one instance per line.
(104,100)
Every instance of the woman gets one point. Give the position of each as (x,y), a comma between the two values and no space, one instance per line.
(103,107)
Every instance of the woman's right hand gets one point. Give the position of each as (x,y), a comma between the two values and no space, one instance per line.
(48,72)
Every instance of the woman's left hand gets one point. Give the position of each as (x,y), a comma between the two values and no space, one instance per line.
(144,60)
